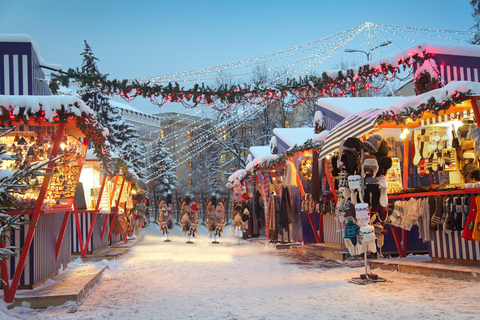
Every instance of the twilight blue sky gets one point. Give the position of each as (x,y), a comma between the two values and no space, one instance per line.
(148,38)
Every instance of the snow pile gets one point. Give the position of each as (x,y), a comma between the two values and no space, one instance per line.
(28,38)
(243,280)
(49,104)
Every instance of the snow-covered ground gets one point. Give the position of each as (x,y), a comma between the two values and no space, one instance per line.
(243,280)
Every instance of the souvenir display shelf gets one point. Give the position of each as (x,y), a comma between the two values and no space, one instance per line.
(31,144)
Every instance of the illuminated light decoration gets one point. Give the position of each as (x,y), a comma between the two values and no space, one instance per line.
(306,168)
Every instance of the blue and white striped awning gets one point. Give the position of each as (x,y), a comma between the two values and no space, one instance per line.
(355,125)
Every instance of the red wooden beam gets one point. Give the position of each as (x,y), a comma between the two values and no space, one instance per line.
(61,234)
(95,212)
(9,297)
(397,242)
(115,212)
(433,193)
(315,232)
(111,198)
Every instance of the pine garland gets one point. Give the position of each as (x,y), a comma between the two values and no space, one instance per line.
(416,113)
(340,84)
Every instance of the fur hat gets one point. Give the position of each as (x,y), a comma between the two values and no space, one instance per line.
(362,211)
(384,163)
(370,164)
(350,162)
(334,166)
(372,144)
(352,144)
(383,150)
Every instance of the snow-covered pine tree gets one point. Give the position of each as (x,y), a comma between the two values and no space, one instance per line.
(131,151)
(162,170)
(123,137)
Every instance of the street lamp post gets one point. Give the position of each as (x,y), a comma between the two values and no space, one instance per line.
(367,53)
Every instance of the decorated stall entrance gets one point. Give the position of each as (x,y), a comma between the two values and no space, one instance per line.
(57,130)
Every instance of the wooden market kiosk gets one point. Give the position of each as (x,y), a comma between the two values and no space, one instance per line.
(45,127)
(99,200)
(449,107)
(439,110)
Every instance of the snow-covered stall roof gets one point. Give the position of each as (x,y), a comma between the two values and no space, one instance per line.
(298,136)
(235,177)
(28,38)
(465,50)
(51,105)
(346,106)
(260,151)
(439,95)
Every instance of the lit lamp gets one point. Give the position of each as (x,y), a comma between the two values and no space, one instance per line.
(404,133)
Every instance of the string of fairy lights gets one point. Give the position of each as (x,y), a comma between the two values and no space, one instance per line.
(309,57)
(197,148)
(377,32)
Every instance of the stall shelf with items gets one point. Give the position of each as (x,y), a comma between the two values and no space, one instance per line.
(443,122)
(416,171)
(55,129)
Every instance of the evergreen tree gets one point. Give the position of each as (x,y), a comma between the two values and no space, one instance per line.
(476,16)
(125,149)
(162,171)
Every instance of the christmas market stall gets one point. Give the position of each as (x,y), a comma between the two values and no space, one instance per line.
(298,181)
(44,128)
(406,166)
(335,110)
(429,164)
(439,176)
(93,211)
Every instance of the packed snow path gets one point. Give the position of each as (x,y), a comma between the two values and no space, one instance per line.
(175,280)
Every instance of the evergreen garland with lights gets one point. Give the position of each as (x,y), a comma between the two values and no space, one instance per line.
(340,84)
(416,113)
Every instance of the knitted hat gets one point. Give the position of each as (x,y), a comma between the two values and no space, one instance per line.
(354,181)
(343,183)
(370,164)
(372,144)
(383,191)
(362,211)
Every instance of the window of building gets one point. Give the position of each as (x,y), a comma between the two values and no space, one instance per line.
(189,135)
(223,157)
(162,134)
(190,182)
(190,166)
